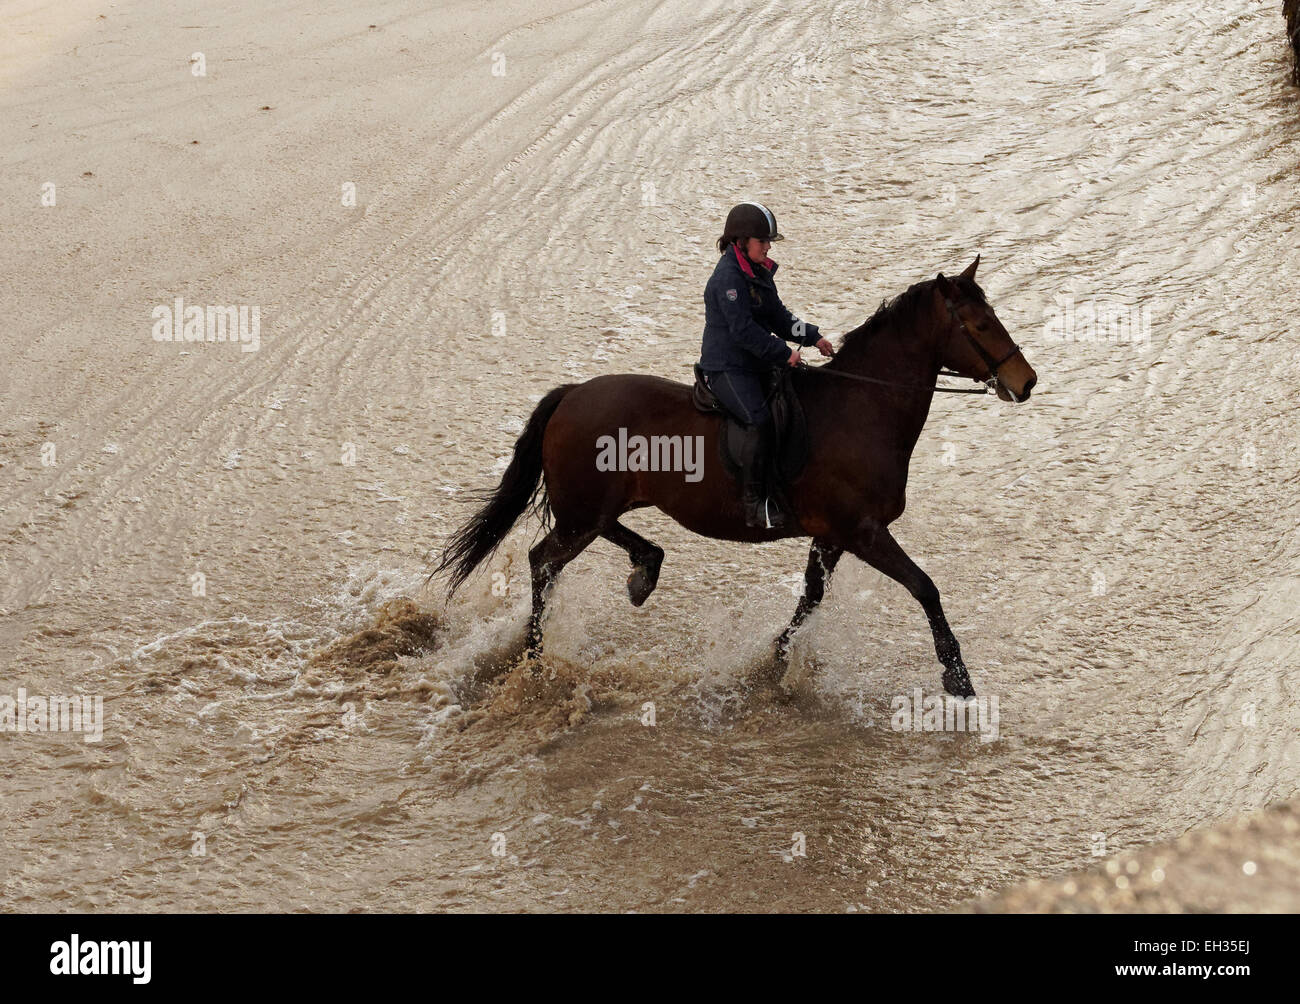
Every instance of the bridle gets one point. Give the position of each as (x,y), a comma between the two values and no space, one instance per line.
(992,365)
(990,380)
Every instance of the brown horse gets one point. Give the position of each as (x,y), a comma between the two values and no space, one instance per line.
(864,410)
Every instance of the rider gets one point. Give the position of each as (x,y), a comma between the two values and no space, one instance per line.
(746,327)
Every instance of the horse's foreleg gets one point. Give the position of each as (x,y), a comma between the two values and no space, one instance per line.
(822,559)
(878,548)
(646,559)
(551,554)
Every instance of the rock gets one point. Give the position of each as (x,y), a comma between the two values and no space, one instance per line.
(1250,864)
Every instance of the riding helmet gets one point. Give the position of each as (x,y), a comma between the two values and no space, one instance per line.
(750,219)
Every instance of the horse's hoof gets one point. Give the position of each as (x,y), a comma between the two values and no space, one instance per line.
(639,586)
(641,583)
(957,682)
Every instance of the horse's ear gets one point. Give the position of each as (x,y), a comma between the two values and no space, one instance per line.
(970,269)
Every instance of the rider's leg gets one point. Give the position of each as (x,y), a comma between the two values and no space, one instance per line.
(742,395)
(760,508)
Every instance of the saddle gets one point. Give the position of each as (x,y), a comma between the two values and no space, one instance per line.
(790,445)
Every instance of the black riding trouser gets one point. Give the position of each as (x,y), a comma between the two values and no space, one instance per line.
(741,394)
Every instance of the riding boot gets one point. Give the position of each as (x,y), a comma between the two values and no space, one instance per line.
(761,510)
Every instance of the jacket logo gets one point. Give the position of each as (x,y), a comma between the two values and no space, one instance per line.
(731,295)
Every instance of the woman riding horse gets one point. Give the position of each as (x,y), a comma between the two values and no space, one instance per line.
(864,412)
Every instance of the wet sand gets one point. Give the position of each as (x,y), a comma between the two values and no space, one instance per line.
(230,546)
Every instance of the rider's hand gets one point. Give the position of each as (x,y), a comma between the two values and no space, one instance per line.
(794,358)
(825,348)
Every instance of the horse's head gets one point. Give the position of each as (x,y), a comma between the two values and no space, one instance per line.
(976,344)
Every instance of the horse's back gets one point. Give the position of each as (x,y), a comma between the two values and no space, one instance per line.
(644,382)
(619,393)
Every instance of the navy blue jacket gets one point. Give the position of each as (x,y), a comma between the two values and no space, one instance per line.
(746,325)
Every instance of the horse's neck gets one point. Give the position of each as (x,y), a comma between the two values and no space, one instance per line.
(899,357)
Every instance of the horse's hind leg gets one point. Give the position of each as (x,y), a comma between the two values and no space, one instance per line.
(551,554)
(822,559)
(646,559)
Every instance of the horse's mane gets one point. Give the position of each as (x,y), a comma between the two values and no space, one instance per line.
(903,309)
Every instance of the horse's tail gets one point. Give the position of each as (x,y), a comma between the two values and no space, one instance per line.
(521,488)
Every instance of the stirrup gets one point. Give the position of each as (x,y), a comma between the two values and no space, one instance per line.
(768,511)
(782,517)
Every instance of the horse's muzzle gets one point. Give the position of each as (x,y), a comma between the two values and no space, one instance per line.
(1005,393)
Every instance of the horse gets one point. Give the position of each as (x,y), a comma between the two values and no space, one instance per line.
(864,412)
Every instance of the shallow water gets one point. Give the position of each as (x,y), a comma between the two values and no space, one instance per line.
(1117,556)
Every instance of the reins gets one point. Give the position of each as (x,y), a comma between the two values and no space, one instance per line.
(892,383)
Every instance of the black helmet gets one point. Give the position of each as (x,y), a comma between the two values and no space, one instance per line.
(749,219)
